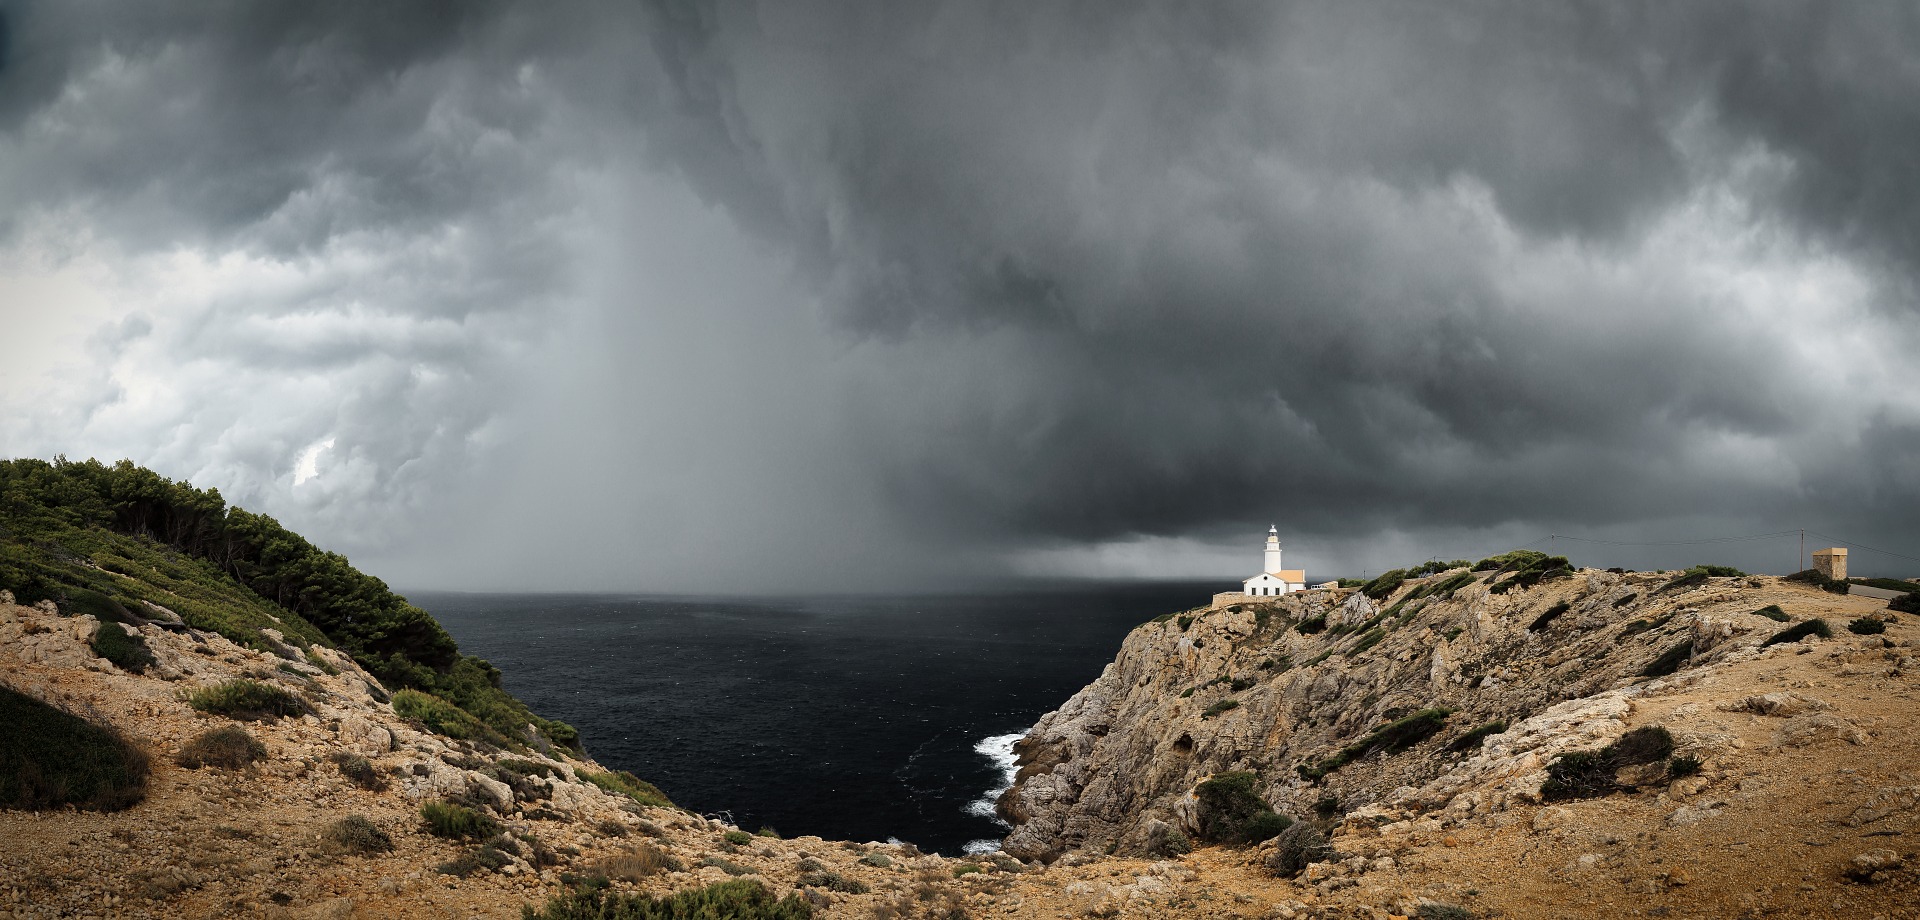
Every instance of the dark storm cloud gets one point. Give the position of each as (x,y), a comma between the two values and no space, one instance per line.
(999,277)
(1264,256)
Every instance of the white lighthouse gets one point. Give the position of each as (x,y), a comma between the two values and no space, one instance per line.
(1274,580)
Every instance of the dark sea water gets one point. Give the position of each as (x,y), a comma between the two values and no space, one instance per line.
(856,718)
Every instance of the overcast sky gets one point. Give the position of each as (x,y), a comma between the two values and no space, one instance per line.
(757,297)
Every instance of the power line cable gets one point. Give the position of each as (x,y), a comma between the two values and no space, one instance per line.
(1864,546)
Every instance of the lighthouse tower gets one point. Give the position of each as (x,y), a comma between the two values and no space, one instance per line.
(1273,579)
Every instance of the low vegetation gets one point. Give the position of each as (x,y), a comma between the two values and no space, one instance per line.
(737,838)
(1231,812)
(1814,578)
(457,822)
(356,835)
(1773,612)
(1386,584)
(1529,568)
(442,717)
(228,748)
(1670,660)
(834,881)
(1393,738)
(1297,847)
(108,540)
(127,652)
(1225,705)
(1906,603)
(359,771)
(1867,626)
(643,861)
(1549,615)
(741,899)
(248,701)
(623,783)
(1801,630)
(1590,774)
(1367,640)
(52,759)
(1473,737)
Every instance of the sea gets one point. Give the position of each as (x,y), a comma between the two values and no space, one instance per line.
(863,718)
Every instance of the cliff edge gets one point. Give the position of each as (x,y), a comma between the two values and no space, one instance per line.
(1469,738)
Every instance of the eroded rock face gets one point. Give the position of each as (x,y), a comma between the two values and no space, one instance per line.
(1121,758)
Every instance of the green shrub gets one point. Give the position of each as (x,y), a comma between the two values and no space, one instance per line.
(1867,626)
(741,899)
(643,861)
(1312,624)
(1669,660)
(1220,707)
(50,759)
(1588,774)
(1801,630)
(834,881)
(1386,584)
(737,838)
(1549,615)
(355,834)
(359,771)
(81,601)
(1351,582)
(1509,560)
(1230,811)
(127,652)
(1436,911)
(725,865)
(1444,588)
(1718,571)
(1682,765)
(442,717)
(767,832)
(1906,603)
(457,822)
(1172,844)
(228,748)
(248,700)
(1371,639)
(1814,578)
(1394,737)
(623,783)
(1772,612)
(226,570)
(1297,847)
(1185,620)
(524,767)
(1471,740)
(1682,581)
(877,860)
(1261,615)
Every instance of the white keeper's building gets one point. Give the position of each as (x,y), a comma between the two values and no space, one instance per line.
(1273,579)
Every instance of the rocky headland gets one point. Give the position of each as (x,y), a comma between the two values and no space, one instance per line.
(206,718)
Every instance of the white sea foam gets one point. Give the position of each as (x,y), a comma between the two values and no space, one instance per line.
(977,847)
(999,750)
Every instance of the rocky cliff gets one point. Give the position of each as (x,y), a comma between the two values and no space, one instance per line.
(1416,731)
(1442,704)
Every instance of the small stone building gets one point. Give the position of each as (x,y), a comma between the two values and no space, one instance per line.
(1831,562)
